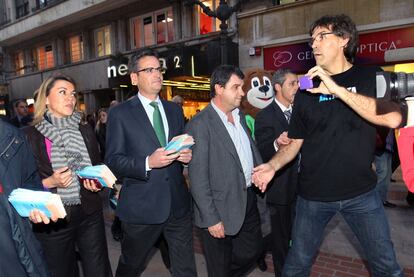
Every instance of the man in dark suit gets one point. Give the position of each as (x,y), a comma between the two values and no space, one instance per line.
(271,132)
(220,179)
(154,198)
(22,117)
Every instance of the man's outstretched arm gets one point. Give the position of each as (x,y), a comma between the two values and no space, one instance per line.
(264,173)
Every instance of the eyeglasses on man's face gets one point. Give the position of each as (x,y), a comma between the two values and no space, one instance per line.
(319,37)
(150,70)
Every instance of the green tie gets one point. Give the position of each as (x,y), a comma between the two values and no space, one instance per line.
(157,123)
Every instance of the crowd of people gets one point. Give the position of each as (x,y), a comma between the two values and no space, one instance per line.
(312,157)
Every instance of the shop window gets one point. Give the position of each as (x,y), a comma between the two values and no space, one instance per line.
(19,63)
(22,8)
(76,48)
(154,28)
(207,24)
(45,57)
(103,41)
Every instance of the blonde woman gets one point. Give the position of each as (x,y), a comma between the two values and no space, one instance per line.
(61,146)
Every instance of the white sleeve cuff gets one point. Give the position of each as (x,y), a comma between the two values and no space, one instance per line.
(147,168)
(275,145)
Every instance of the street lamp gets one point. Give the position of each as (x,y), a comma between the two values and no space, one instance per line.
(223,13)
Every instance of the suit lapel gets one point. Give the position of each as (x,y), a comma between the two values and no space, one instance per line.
(280,116)
(138,111)
(222,133)
(169,113)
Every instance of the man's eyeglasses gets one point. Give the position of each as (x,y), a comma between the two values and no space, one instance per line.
(150,70)
(319,37)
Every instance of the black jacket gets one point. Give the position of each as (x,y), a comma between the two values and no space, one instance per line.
(21,253)
(91,201)
(270,123)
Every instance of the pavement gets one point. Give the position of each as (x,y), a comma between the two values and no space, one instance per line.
(155,267)
(338,238)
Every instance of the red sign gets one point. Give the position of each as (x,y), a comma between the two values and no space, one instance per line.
(373,46)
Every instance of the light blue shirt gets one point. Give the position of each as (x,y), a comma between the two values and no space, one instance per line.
(240,140)
(150,111)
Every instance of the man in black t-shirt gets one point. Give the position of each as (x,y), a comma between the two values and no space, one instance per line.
(332,125)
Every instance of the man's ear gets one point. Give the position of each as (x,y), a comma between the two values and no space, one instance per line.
(344,41)
(277,88)
(134,78)
(218,88)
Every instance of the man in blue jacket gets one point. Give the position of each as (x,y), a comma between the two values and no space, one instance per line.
(21,252)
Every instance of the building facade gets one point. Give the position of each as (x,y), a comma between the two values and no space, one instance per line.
(91,41)
(274,36)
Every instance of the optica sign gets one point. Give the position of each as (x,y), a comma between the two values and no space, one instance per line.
(373,46)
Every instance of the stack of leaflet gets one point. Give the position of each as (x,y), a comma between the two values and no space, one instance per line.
(180,142)
(100,174)
(24,201)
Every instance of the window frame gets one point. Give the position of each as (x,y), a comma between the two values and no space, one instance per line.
(215,21)
(95,35)
(21,8)
(70,51)
(169,28)
(46,65)
(18,60)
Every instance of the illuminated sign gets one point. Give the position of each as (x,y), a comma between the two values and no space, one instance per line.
(371,50)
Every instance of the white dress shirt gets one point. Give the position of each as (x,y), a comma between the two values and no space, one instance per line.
(240,140)
(150,111)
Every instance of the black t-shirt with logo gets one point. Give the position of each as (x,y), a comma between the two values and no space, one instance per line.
(339,145)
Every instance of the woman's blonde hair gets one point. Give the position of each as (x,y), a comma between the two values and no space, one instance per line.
(43,93)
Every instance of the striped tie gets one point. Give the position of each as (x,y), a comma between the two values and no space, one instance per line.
(288,114)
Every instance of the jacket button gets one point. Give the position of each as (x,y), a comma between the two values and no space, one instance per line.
(244,188)
(7,155)
(16,141)
(167,179)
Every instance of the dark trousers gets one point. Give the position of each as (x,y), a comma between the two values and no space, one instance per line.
(60,239)
(235,255)
(138,240)
(281,218)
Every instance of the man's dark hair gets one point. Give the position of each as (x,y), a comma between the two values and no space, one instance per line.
(279,77)
(221,75)
(133,61)
(342,26)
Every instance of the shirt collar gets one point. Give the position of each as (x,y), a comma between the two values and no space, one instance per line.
(283,107)
(146,102)
(223,116)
